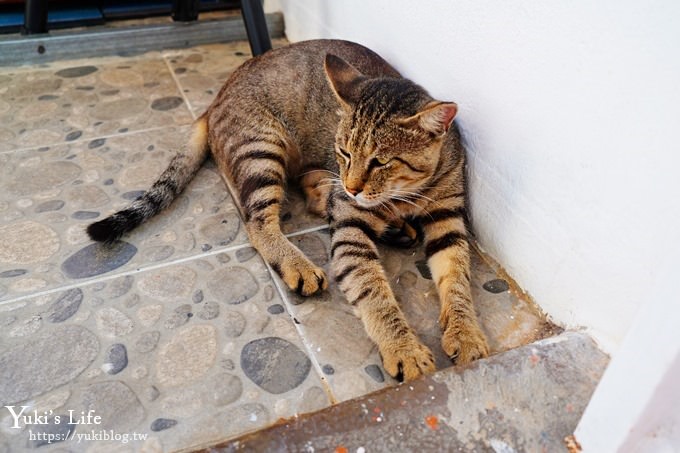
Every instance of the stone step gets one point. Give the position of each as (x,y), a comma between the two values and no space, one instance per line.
(113,39)
(525,399)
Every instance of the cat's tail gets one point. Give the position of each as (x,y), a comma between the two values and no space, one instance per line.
(167,187)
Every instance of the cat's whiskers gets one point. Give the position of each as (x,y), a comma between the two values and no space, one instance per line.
(319,169)
(327,182)
(404,200)
(403,195)
(394,194)
(414,196)
(444,187)
(390,207)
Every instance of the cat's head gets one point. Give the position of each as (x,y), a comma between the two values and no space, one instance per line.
(390,134)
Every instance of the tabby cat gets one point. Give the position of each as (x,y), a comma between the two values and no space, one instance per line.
(369,149)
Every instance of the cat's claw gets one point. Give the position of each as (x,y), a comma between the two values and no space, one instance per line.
(304,278)
(408,361)
(464,342)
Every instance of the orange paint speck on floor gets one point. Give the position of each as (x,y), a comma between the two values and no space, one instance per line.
(432,421)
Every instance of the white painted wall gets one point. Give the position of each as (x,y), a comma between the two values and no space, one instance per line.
(570,110)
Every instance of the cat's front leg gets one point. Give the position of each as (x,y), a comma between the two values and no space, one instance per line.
(448,253)
(257,172)
(360,275)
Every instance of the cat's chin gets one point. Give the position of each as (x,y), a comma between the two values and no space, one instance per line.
(365,203)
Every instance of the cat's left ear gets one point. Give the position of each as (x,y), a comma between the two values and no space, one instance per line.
(344,79)
(436,117)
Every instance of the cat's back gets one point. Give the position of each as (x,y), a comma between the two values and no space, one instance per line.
(292,78)
(290,84)
(306,58)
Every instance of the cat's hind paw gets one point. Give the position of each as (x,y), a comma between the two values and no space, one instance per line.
(402,235)
(317,186)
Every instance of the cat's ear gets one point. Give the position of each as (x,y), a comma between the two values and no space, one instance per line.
(344,78)
(436,117)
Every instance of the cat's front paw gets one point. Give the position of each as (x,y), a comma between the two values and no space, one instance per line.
(463,341)
(407,360)
(302,276)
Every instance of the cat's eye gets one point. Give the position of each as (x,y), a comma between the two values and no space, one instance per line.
(344,153)
(379,162)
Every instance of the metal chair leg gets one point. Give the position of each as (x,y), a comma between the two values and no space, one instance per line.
(35,17)
(256,26)
(185,10)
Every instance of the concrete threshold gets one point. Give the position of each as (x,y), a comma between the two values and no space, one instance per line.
(526,399)
(125,41)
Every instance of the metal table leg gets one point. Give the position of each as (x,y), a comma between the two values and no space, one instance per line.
(256,26)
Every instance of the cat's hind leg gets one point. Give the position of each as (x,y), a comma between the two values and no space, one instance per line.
(317,184)
(401,233)
(258,175)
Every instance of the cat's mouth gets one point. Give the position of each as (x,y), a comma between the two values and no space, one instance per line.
(365,202)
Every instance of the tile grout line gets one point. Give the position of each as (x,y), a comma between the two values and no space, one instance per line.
(137,270)
(146,268)
(306,230)
(310,351)
(87,140)
(179,86)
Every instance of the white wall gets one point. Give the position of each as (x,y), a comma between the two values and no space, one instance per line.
(570,111)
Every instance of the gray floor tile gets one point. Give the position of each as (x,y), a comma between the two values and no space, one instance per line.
(92,99)
(184,354)
(49,195)
(202,70)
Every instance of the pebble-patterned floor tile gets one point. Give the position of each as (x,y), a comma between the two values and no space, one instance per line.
(49,195)
(88,100)
(185,354)
(202,70)
(349,359)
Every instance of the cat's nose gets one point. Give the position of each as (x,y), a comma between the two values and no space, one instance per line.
(354,190)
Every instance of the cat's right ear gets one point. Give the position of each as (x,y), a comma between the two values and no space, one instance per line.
(344,79)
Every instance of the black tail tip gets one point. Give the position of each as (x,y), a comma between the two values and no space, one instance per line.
(103,231)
